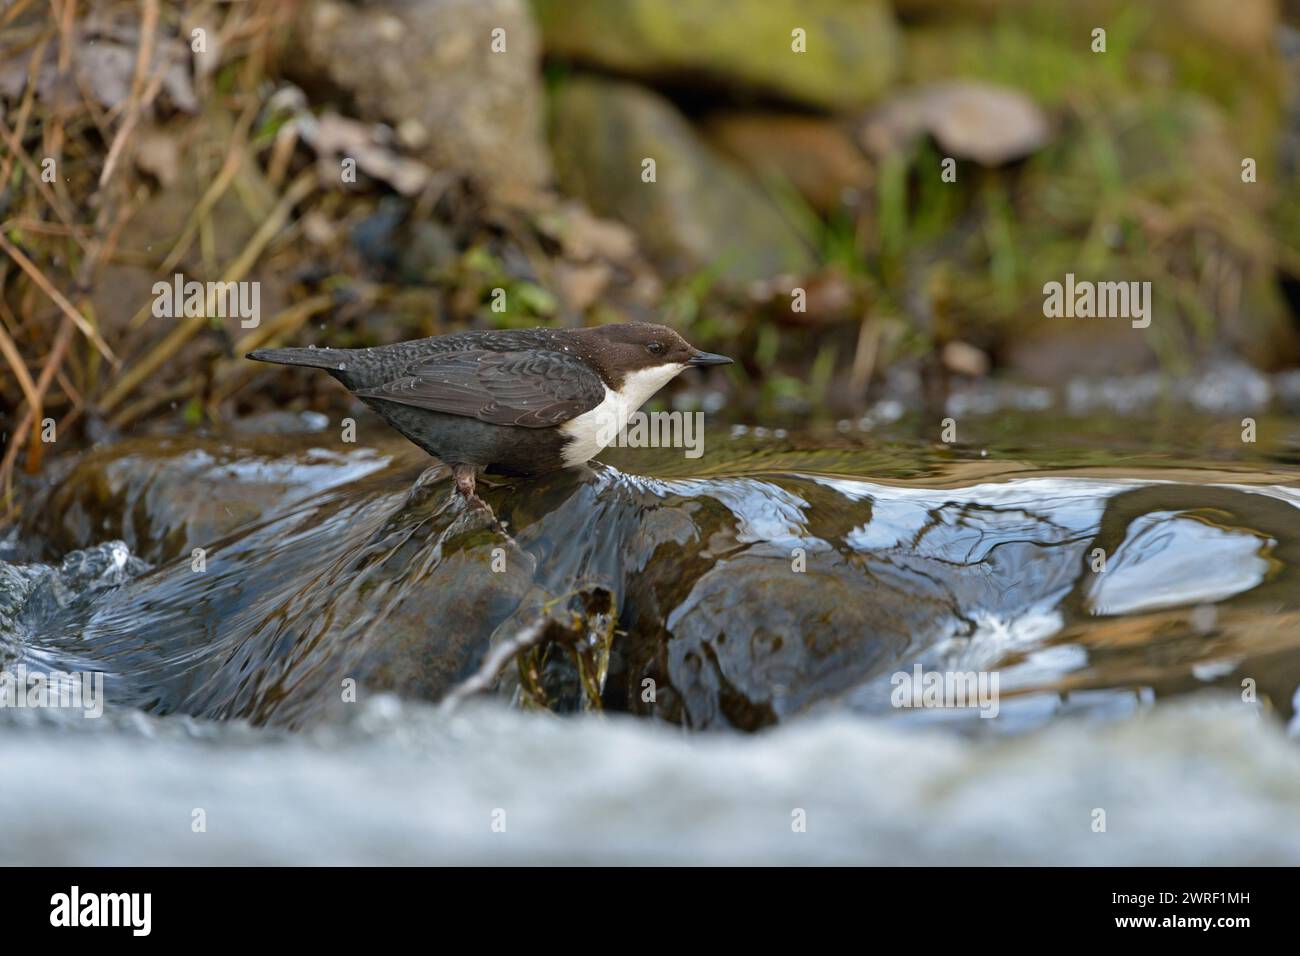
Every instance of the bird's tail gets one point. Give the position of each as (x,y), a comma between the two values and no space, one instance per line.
(314,358)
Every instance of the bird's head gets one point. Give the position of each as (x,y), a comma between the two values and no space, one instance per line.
(640,356)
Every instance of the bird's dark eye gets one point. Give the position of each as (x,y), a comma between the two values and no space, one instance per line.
(655,348)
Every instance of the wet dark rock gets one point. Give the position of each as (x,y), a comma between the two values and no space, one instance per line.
(739,598)
(751,644)
(165,496)
(376,238)
(432,249)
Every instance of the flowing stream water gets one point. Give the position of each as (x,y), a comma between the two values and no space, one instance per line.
(277,617)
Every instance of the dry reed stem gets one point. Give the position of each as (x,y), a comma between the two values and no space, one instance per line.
(88,330)
(130,380)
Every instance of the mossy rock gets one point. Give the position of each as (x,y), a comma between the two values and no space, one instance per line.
(699,212)
(851,54)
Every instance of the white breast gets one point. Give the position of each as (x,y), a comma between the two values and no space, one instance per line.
(593,430)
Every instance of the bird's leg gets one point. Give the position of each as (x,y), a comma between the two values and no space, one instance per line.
(464,475)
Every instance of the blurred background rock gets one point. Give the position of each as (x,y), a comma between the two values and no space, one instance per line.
(500,144)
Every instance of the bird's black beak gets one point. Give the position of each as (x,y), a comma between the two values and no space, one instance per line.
(708,358)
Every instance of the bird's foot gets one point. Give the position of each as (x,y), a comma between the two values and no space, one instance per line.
(464,476)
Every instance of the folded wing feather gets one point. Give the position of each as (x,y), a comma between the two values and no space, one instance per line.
(530,389)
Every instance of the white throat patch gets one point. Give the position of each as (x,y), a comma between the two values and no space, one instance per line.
(593,430)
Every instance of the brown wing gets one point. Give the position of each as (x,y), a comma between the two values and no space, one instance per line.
(533,389)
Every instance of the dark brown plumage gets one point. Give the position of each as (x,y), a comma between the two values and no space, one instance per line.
(521,402)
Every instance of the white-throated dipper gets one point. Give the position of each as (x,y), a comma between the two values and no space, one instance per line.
(516,402)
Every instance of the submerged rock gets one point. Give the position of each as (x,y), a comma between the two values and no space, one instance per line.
(164,496)
(736,599)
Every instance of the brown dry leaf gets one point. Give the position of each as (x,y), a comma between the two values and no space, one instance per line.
(963,358)
(581,285)
(586,237)
(829,297)
(335,137)
(318,229)
(14,66)
(106,68)
(104,62)
(158,153)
